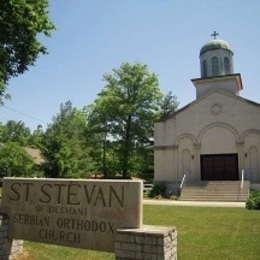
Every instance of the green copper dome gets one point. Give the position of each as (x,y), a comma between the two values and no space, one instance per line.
(215,44)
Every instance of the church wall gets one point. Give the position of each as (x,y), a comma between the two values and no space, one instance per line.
(164,132)
(218,108)
(215,124)
(159,162)
(248,116)
(251,156)
(228,85)
(186,159)
(218,140)
(165,165)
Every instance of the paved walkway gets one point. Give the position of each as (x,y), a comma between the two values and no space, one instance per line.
(195,203)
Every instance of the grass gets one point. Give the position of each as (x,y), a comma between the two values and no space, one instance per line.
(211,233)
(203,233)
(38,251)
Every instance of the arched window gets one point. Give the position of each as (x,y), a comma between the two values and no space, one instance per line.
(215,71)
(204,69)
(227,65)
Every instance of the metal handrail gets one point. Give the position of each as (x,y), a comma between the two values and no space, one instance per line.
(183,180)
(242,179)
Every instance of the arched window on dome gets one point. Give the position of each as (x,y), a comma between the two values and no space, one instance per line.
(204,69)
(215,71)
(227,65)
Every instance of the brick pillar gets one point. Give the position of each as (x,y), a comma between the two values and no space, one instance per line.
(148,242)
(9,248)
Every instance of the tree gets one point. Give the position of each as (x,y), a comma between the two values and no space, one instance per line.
(168,105)
(36,137)
(97,133)
(15,132)
(15,161)
(21,22)
(125,110)
(64,146)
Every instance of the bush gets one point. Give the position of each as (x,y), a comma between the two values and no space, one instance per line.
(159,190)
(253,202)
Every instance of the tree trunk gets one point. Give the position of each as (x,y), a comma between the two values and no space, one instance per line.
(126,148)
(104,157)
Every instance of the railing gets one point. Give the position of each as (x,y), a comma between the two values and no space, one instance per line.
(147,187)
(242,179)
(182,182)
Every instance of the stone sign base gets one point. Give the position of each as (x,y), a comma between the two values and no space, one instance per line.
(10,249)
(148,242)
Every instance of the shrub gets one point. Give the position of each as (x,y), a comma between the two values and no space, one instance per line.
(174,197)
(253,202)
(159,189)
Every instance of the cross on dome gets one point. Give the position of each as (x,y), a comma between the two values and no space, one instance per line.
(214,34)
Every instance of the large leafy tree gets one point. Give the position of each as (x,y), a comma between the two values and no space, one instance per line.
(15,132)
(125,109)
(64,146)
(21,22)
(15,161)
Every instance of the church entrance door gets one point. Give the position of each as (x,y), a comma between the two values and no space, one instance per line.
(219,167)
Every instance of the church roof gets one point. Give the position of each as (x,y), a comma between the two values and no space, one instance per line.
(253,103)
(215,44)
(36,155)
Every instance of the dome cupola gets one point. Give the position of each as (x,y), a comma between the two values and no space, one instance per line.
(216,58)
(215,44)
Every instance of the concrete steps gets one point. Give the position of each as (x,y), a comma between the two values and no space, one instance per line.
(215,191)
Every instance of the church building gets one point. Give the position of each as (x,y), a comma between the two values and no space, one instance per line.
(217,136)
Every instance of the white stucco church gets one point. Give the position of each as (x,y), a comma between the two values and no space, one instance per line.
(217,135)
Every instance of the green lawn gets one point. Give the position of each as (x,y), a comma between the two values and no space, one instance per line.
(203,233)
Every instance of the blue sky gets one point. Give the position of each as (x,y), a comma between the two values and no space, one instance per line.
(93,37)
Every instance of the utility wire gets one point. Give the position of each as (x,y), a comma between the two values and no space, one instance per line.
(24,114)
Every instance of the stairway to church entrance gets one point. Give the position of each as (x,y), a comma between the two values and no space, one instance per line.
(215,191)
(219,167)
